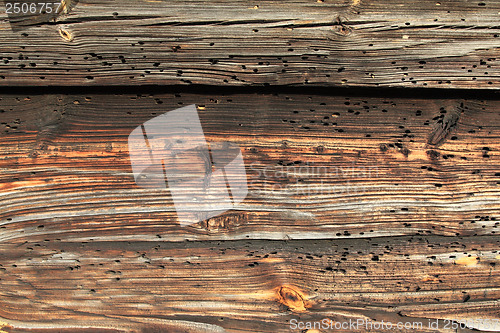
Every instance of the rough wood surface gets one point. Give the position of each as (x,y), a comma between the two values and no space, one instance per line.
(405,229)
(317,166)
(84,249)
(52,285)
(429,43)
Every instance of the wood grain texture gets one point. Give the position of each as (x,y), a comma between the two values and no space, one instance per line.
(397,43)
(317,167)
(392,217)
(247,286)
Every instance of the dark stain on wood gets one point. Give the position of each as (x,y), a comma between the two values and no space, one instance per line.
(445,124)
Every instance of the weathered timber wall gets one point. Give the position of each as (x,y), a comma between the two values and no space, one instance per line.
(83,248)
(397,43)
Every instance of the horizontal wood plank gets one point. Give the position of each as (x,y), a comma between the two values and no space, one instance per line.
(248,286)
(396,43)
(318,167)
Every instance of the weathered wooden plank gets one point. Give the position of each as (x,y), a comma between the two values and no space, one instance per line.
(49,285)
(317,167)
(429,43)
